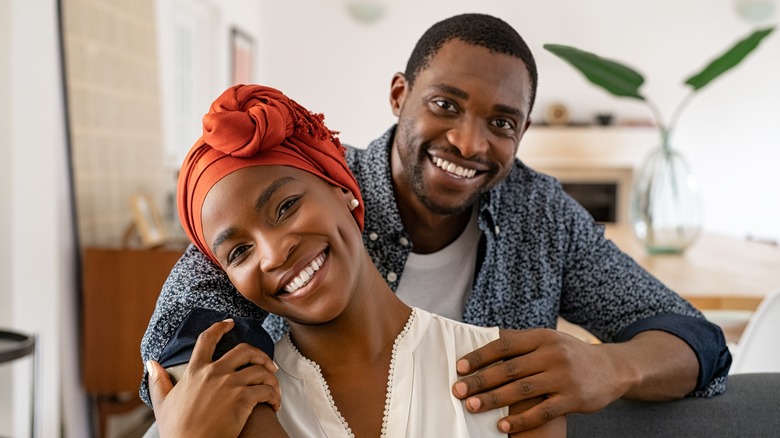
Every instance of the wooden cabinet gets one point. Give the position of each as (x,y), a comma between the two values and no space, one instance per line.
(119,292)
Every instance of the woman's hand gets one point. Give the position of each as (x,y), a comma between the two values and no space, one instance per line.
(213,399)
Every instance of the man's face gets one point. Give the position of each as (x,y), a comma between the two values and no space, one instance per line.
(458,127)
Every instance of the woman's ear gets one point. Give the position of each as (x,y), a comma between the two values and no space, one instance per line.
(352,202)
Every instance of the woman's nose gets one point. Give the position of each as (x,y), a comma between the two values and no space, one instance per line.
(275,249)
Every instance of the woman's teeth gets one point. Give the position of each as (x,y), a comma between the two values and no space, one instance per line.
(453,168)
(304,277)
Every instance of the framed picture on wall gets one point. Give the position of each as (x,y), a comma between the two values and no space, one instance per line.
(241,56)
(147,220)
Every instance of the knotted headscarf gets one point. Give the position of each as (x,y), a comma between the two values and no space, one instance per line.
(253,125)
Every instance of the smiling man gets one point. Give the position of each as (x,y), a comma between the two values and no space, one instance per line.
(458,226)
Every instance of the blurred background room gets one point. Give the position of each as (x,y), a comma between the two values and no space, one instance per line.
(101,99)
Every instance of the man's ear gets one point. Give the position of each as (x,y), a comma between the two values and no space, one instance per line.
(398,88)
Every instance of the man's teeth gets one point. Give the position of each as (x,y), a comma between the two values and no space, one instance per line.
(453,168)
(306,274)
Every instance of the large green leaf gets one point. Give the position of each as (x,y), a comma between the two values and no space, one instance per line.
(614,77)
(728,60)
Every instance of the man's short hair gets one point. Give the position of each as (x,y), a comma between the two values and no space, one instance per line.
(480,30)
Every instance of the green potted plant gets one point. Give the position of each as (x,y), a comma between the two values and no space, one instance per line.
(664,208)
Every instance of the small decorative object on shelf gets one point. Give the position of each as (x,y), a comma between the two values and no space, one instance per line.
(147,222)
(604,119)
(665,207)
(556,114)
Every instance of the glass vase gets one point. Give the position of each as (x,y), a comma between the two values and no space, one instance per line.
(665,205)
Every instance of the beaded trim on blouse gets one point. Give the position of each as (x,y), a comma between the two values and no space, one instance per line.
(390,377)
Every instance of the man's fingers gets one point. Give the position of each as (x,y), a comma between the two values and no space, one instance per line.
(510,343)
(207,342)
(159,382)
(508,373)
(509,394)
(542,413)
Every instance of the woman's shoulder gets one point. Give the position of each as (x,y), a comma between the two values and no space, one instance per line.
(464,336)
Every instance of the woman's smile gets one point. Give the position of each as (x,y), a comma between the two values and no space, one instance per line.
(305,276)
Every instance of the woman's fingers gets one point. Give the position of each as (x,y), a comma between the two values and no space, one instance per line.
(244,354)
(207,342)
(265,393)
(159,382)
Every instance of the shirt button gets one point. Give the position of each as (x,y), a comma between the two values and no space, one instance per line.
(373,236)
(392,276)
(404,241)
(498,230)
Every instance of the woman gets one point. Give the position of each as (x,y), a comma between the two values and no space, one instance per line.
(267,195)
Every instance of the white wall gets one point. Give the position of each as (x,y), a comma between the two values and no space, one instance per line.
(315,52)
(5,210)
(42,267)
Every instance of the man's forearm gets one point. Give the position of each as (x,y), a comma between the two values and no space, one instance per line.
(263,422)
(655,366)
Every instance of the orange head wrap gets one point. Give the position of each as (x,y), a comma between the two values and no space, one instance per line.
(252,125)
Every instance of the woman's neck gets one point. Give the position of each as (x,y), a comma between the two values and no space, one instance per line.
(362,334)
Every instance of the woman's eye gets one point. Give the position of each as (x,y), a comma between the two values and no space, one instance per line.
(286,205)
(445,105)
(236,252)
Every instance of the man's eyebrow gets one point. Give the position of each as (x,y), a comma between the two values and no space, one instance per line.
(262,200)
(457,92)
(507,109)
(451,90)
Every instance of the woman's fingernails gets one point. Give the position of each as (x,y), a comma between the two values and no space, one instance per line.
(150,368)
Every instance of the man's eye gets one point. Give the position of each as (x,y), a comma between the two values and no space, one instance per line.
(503,124)
(445,105)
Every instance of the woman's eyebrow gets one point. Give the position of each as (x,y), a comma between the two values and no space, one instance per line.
(264,197)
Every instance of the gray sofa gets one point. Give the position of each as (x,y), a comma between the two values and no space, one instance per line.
(750,407)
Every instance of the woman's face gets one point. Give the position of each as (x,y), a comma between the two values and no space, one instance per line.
(287,240)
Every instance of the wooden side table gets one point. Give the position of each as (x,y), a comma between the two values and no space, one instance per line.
(120,289)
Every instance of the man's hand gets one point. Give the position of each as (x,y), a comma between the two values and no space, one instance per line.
(571,375)
(213,398)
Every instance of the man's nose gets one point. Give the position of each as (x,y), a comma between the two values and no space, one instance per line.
(470,137)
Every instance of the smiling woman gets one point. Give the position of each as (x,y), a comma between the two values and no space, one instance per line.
(266,194)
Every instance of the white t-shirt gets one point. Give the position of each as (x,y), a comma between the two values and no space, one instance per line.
(421,403)
(441,281)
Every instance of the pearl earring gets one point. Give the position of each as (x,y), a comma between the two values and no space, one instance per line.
(353,204)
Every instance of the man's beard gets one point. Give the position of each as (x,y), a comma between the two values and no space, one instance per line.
(413,170)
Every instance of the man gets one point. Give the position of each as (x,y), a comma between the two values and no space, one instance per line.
(458,226)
